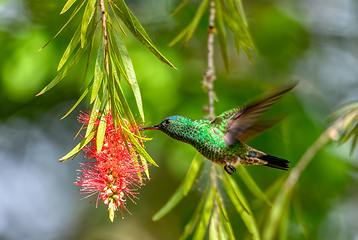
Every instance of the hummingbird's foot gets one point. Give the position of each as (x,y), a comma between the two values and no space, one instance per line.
(230,169)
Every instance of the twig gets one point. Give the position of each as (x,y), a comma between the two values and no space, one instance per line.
(209,74)
(104,33)
(327,135)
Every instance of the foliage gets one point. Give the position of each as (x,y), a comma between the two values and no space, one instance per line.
(111,65)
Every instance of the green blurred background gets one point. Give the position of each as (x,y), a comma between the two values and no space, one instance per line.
(312,41)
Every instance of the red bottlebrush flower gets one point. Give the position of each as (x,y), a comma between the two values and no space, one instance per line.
(114,173)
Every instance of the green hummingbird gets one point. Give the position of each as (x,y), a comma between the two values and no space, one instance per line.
(222,140)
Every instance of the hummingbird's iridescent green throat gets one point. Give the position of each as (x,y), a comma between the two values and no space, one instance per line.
(222,140)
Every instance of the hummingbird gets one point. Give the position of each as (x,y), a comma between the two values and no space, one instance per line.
(222,140)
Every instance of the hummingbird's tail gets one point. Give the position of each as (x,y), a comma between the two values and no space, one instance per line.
(275,162)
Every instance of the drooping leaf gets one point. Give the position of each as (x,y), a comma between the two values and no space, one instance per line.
(94,115)
(70,63)
(137,30)
(87,16)
(277,214)
(197,17)
(180,7)
(193,173)
(205,216)
(78,101)
(214,233)
(67,6)
(241,204)
(226,226)
(221,34)
(194,219)
(80,4)
(128,66)
(100,133)
(98,71)
(251,185)
(188,182)
(70,48)
(78,147)
(63,72)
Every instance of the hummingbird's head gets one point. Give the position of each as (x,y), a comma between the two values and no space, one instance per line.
(174,126)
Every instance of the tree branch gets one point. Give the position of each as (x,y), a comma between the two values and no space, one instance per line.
(104,34)
(209,74)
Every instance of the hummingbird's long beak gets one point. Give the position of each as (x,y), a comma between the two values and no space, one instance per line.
(150,128)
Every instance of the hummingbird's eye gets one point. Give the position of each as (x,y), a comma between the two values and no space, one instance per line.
(167,122)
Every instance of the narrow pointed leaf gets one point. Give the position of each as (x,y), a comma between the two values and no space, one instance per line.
(122,100)
(78,102)
(70,48)
(180,36)
(93,116)
(239,201)
(119,25)
(98,71)
(277,214)
(239,6)
(193,173)
(188,182)
(252,186)
(137,30)
(63,72)
(197,17)
(226,225)
(214,234)
(100,133)
(180,7)
(87,15)
(80,4)
(205,216)
(78,148)
(222,35)
(128,66)
(67,6)
(194,219)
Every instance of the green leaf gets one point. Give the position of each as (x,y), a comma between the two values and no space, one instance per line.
(124,107)
(239,201)
(222,35)
(277,214)
(214,234)
(194,219)
(180,36)
(342,111)
(137,30)
(78,148)
(197,17)
(179,8)
(193,173)
(98,71)
(78,102)
(70,48)
(80,4)
(67,6)
(87,16)
(93,116)
(128,66)
(205,216)
(100,133)
(240,8)
(226,226)
(251,185)
(63,72)
(183,189)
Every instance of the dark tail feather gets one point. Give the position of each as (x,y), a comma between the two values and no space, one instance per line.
(275,162)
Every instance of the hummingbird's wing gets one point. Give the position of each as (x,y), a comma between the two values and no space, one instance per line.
(242,122)
(256,129)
